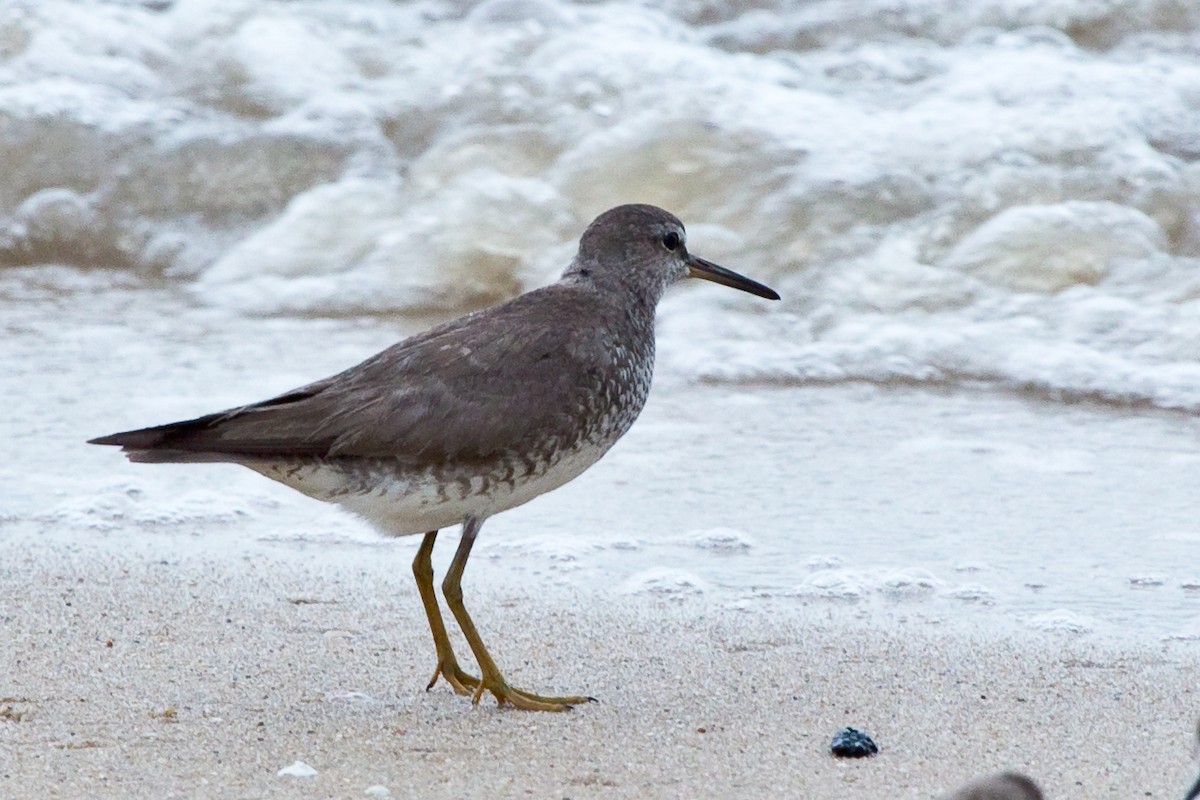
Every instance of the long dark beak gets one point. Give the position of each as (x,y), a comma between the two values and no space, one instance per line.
(699,268)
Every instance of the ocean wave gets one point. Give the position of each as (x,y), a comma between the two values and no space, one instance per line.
(995,192)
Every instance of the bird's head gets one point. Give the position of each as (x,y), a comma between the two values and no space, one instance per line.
(644,249)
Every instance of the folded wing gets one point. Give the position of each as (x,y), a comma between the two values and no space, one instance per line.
(465,390)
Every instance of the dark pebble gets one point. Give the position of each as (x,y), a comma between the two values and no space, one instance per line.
(852,743)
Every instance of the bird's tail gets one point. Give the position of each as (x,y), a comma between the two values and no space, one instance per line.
(167,444)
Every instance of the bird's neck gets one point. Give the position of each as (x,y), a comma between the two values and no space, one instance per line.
(636,291)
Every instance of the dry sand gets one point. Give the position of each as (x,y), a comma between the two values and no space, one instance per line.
(167,666)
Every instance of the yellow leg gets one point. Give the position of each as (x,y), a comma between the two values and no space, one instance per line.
(447,665)
(490,678)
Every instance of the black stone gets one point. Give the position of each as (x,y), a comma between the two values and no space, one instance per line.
(852,743)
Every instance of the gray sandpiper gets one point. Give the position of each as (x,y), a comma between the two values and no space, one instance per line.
(472,417)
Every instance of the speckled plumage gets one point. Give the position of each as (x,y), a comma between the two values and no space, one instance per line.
(475,416)
(560,398)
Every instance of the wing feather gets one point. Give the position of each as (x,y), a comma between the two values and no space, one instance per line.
(463,390)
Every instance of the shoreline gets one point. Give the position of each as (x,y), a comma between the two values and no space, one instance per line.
(142,666)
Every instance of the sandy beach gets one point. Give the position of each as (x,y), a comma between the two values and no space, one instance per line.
(944,491)
(139,666)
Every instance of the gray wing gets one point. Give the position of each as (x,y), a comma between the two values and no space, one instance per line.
(473,387)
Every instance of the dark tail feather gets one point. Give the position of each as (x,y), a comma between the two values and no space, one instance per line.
(167,443)
(146,438)
(178,457)
(160,435)
(271,428)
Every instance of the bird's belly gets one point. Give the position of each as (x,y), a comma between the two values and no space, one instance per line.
(401,500)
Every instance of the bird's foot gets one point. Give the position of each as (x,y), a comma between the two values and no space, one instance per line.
(519,698)
(462,682)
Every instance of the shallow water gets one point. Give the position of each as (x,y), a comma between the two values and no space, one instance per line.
(901,504)
(976,402)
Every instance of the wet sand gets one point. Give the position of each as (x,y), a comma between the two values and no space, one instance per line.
(171,666)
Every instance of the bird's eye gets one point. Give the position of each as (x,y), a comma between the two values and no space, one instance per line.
(671,240)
